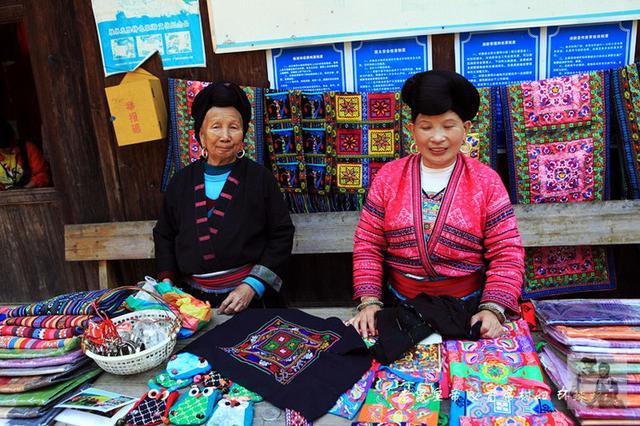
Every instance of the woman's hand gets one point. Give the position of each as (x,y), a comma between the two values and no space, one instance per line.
(491,327)
(238,300)
(365,320)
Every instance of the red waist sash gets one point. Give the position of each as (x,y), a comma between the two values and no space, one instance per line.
(457,287)
(224,281)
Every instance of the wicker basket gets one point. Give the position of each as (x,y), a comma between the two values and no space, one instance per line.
(150,357)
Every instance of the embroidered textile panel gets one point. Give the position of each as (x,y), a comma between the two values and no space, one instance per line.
(284,139)
(183,148)
(558,152)
(393,399)
(481,141)
(626,95)
(282,349)
(367,134)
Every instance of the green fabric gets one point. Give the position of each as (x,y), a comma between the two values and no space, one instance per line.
(237,391)
(43,396)
(461,369)
(33,353)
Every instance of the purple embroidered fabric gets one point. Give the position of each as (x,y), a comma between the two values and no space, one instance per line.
(588,311)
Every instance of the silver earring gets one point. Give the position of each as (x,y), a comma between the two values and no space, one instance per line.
(240,153)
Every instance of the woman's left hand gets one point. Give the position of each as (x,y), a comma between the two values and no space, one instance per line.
(491,327)
(238,300)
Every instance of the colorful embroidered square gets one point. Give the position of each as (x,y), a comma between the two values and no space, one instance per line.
(183,148)
(480,142)
(626,95)
(567,269)
(466,404)
(350,402)
(558,150)
(423,362)
(500,360)
(282,349)
(393,399)
(367,130)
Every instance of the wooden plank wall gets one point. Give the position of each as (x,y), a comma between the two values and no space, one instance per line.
(98,181)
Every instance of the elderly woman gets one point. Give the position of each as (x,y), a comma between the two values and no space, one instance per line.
(438,222)
(224,229)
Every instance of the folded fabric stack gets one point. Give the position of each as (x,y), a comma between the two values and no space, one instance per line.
(499,381)
(593,356)
(40,357)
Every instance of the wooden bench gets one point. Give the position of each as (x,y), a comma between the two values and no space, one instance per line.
(541,225)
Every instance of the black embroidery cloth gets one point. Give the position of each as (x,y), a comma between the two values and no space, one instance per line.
(403,326)
(293,359)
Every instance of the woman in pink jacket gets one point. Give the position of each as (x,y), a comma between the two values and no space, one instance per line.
(438,222)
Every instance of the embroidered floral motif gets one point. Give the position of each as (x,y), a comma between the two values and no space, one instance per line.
(348,108)
(349,175)
(381,142)
(282,349)
(562,172)
(561,100)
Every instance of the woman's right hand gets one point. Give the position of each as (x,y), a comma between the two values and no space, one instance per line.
(365,321)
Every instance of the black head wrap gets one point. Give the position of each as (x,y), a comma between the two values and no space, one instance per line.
(220,94)
(436,92)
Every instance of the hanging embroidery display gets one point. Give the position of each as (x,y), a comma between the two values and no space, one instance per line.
(558,152)
(626,95)
(183,148)
(282,349)
(284,139)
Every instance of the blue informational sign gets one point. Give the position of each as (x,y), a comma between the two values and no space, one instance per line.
(581,48)
(131,31)
(314,68)
(384,65)
(500,57)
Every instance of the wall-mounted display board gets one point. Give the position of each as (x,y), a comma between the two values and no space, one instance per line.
(489,58)
(243,25)
(580,48)
(384,65)
(314,68)
(131,31)
(498,57)
(365,66)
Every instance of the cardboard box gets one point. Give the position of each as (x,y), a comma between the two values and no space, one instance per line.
(137,107)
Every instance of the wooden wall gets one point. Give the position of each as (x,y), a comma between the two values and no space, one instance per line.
(95,180)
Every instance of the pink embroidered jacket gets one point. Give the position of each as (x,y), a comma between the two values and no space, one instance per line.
(475,230)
